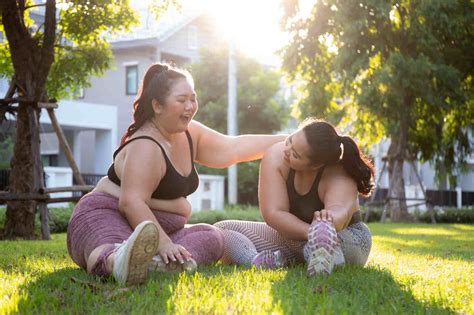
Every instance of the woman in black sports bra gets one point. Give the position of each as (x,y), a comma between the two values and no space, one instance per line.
(134,220)
(308,197)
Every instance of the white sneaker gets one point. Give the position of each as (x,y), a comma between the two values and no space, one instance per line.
(131,258)
(322,246)
(158,265)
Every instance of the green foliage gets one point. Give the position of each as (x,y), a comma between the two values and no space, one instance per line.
(412,269)
(230,213)
(81,47)
(260,109)
(442,215)
(386,61)
(449,215)
(58,219)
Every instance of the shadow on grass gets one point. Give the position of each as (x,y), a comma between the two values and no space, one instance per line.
(71,290)
(450,242)
(352,289)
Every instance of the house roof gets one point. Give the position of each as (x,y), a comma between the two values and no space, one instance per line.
(151,31)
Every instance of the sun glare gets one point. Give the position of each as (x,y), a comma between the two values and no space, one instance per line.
(252,25)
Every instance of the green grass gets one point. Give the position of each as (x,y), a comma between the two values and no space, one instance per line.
(412,269)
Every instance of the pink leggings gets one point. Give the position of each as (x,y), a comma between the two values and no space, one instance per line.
(96,221)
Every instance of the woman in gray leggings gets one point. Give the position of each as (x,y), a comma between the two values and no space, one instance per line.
(308,195)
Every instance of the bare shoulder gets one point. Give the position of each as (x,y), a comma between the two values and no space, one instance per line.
(196,129)
(335,170)
(336,174)
(274,159)
(142,149)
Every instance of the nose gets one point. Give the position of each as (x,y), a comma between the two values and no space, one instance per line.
(189,105)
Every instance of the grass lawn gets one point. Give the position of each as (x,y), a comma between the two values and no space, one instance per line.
(413,268)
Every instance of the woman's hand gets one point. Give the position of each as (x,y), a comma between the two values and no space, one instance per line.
(323,215)
(172,252)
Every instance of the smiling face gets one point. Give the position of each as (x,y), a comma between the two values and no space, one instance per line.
(180,107)
(297,151)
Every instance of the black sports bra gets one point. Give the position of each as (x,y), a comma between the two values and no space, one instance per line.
(173,185)
(304,206)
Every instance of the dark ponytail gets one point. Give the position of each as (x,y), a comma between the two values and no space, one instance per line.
(156,84)
(325,148)
(358,166)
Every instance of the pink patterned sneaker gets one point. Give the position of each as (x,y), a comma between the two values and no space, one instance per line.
(268,259)
(322,245)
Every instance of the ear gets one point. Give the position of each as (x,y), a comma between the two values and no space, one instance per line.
(157,108)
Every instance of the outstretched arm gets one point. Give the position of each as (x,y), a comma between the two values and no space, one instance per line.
(217,150)
(273,197)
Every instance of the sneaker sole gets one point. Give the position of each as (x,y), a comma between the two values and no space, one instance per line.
(144,248)
(322,243)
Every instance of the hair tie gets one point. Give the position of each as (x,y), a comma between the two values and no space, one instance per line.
(341,145)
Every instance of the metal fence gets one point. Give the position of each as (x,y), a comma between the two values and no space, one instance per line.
(443,198)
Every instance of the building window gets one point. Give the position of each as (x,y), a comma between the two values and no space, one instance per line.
(192,37)
(131,79)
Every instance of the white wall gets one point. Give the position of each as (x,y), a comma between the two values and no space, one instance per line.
(209,195)
(58,177)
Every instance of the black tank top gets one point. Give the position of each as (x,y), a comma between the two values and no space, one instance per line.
(304,206)
(173,185)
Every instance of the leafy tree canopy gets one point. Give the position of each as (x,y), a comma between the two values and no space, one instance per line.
(260,109)
(81,47)
(382,66)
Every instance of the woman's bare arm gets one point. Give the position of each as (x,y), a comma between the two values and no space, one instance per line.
(137,186)
(338,191)
(217,150)
(273,197)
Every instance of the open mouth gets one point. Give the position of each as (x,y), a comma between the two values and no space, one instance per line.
(186,118)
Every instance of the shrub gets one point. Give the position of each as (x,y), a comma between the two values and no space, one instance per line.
(449,215)
(58,219)
(246,213)
(442,215)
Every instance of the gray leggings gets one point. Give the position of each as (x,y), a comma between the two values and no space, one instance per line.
(245,239)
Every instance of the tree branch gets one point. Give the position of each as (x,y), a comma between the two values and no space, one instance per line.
(19,39)
(47,49)
(34,6)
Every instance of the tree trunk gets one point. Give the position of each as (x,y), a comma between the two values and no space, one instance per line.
(20,215)
(396,156)
(32,60)
(398,207)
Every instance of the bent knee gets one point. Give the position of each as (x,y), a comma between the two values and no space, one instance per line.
(225,225)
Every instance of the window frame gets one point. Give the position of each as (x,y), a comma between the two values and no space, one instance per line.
(127,70)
